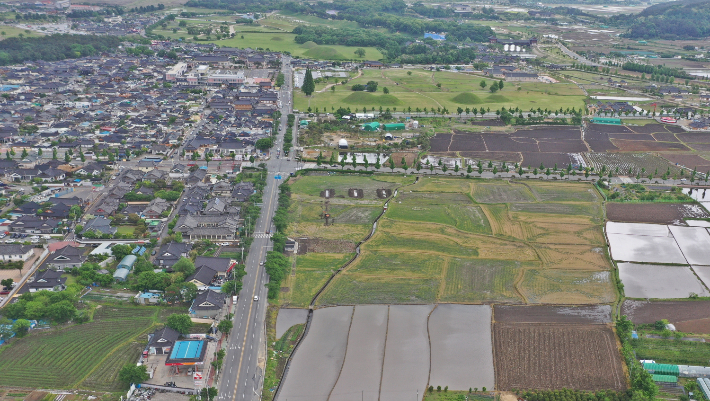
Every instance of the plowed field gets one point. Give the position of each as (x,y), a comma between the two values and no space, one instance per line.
(553,356)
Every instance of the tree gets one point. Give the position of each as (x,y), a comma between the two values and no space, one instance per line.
(360,52)
(21,327)
(54,153)
(7,283)
(121,251)
(225,326)
(185,266)
(309,86)
(319,159)
(365,162)
(180,323)
(132,373)
(371,86)
(392,166)
(404,164)
(24,153)
(264,144)
(494,88)
(483,84)
(332,158)
(377,163)
(385,90)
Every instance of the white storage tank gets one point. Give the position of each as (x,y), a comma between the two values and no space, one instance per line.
(505,48)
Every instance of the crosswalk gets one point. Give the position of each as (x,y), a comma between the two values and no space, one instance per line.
(262,235)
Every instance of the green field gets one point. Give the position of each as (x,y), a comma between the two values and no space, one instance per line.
(457,90)
(312,271)
(7,31)
(452,240)
(85,355)
(274,37)
(672,351)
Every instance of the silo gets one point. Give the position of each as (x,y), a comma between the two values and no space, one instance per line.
(505,48)
(517,48)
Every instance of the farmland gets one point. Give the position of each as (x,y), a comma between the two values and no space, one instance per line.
(79,356)
(659,213)
(688,316)
(376,352)
(672,351)
(554,356)
(456,240)
(420,90)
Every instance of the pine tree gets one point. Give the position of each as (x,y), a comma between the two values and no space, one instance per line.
(309,86)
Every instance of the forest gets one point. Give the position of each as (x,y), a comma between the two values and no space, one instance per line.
(689,19)
(54,47)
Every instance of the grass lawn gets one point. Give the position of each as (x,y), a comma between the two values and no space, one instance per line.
(87,355)
(126,230)
(7,31)
(419,89)
(312,271)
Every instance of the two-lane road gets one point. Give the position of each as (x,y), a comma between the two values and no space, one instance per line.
(242,373)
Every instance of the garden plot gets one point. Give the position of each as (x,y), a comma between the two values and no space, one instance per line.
(406,365)
(694,242)
(662,282)
(461,349)
(360,376)
(315,368)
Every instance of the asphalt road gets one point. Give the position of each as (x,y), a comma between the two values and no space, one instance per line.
(242,374)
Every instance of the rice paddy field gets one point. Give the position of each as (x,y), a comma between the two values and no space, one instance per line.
(457,90)
(451,240)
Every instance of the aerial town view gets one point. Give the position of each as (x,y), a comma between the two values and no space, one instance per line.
(355,200)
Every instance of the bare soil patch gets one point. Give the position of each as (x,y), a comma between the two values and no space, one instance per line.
(592,314)
(322,245)
(647,146)
(699,326)
(659,213)
(665,137)
(546,159)
(690,161)
(617,129)
(513,157)
(633,137)
(686,313)
(694,137)
(553,356)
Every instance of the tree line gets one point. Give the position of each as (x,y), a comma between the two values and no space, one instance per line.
(54,47)
(656,70)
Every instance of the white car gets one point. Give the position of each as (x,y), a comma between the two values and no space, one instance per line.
(256,298)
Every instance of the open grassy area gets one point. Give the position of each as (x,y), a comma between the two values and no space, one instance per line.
(7,31)
(271,36)
(126,230)
(452,240)
(85,355)
(419,89)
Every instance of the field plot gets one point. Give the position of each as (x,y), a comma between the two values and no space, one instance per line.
(689,313)
(636,162)
(654,281)
(599,314)
(659,213)
(645,249)
(689,161)
(452,240)
(461,349)
(85,356)
(312,271)
(360,376)
(554,356)
(673,351)
(557,286)
(694,242)
(405,371)
(501,192)
(316,365)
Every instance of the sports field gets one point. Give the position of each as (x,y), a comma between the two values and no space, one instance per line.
(454,240)
(421,89)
